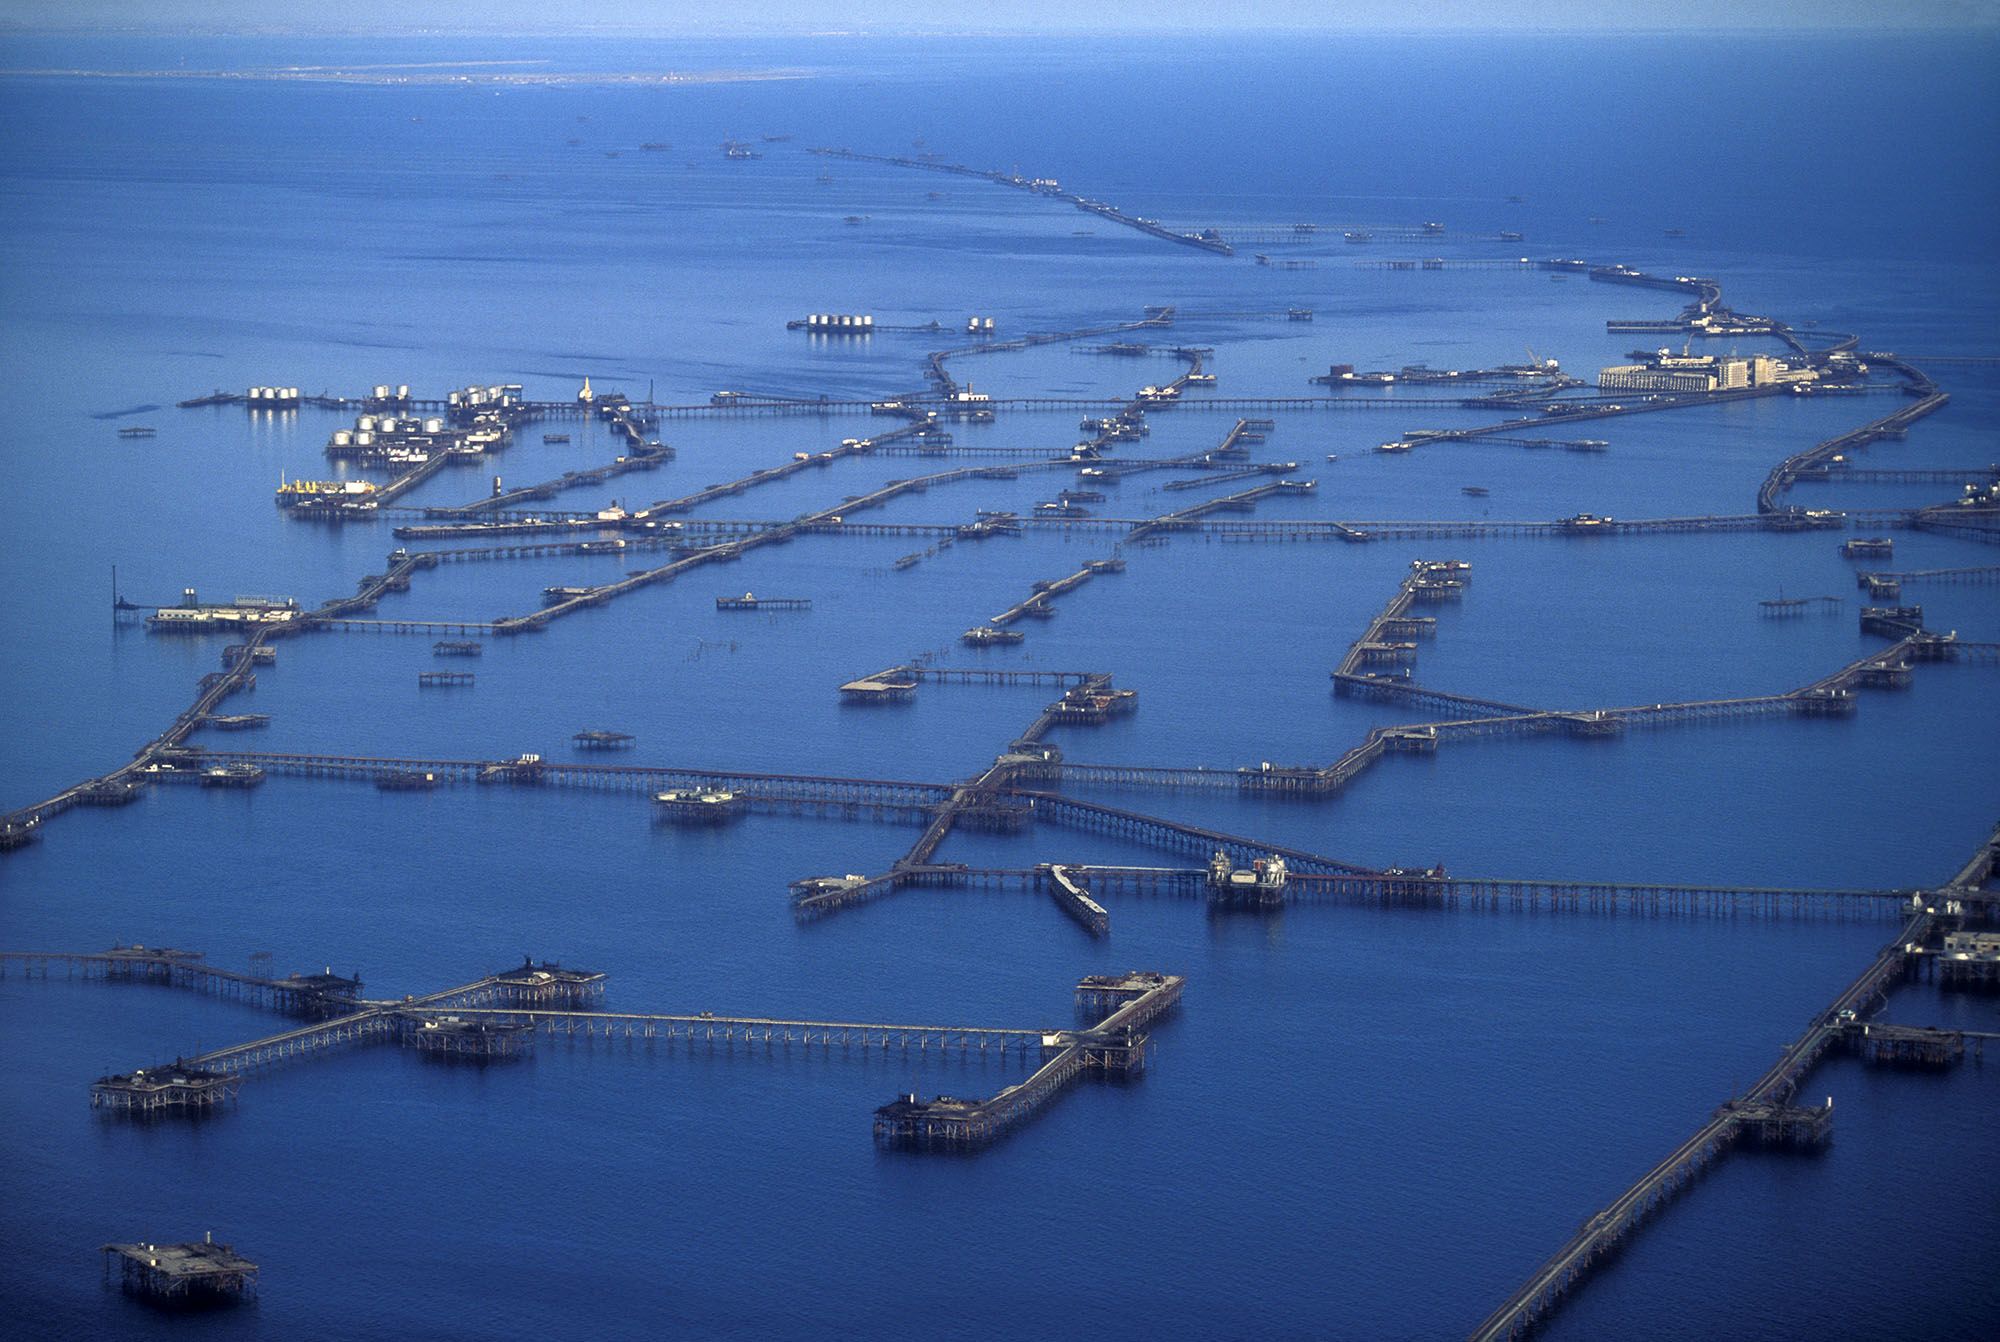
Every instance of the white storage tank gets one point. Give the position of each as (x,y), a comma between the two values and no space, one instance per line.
(366,422)
(403,392)
(381,391)
(434,425)
(343,437)
(364,439)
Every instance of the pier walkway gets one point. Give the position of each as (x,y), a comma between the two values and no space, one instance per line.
(1091,701)
(1176,836)
(357,1020)
(542,771)
(1361,530)
(947,386)
(22,826)
(1391,639)
(1206,240)
(1430,889)
(298,995)
(1979,574)
(487,1017)
(725,1032)
(645,458)
(1839,475)
(1763,1114)
(1115,1046)
(1928,401)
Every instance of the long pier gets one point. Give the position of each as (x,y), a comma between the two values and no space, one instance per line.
(1831,695)
(777,534)
(1240,501)
(1091,701)
(1390,640)
(486,1018)
(1980,524)
(1206,240)
(727,1032)
(1764,1113)
(924,402)
(1363,530)
(947,386)
(546,772)
(1115,1046)
(728,551)
(1928,401)
(1861,476)
(23,826)
(648,457)
(1429,889)
(298,995)
(855,447)
(1176,836)
(1038,603)
(396,488)
(978,795)
(1984,573)
(636,544)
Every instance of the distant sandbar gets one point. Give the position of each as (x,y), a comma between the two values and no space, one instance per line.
(470,74)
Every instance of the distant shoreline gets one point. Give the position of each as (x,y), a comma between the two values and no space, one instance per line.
(453,77)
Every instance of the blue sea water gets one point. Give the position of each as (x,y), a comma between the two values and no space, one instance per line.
(1361,1123)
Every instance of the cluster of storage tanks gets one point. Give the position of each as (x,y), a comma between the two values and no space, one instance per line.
(383,392)
(841,323)
(476,421)
(272,398)
(475,398)
(378,433)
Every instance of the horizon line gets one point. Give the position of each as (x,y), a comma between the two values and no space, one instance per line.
(1974,26)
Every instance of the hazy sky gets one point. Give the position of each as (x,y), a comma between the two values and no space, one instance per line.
(691,16)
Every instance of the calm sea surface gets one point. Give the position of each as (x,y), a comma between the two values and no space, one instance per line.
(1361,1123)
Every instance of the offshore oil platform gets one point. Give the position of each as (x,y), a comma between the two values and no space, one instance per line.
(496,1018)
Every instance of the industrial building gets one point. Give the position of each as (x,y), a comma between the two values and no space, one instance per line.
(1667,371)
